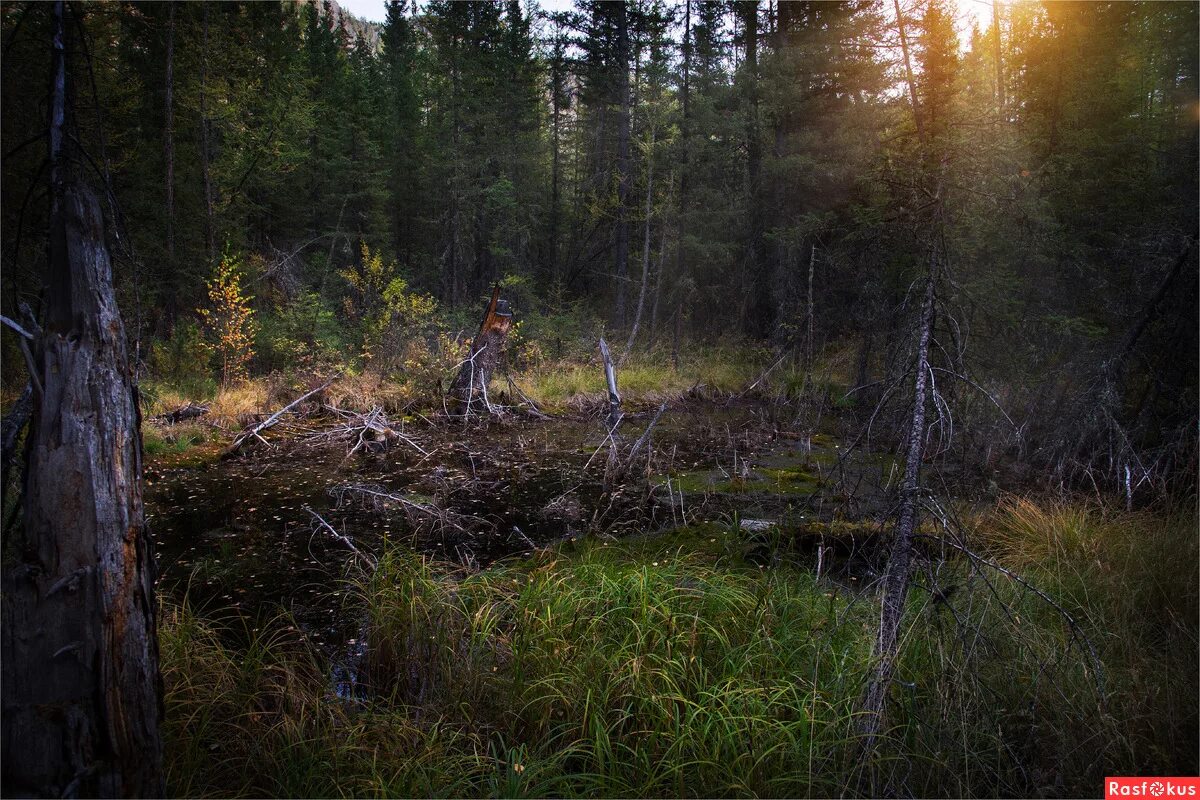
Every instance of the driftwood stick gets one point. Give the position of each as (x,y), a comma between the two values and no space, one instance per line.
(274,418)
(321,524)
(637,446)
(762,376)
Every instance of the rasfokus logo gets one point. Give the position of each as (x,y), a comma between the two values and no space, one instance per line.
(1151,787)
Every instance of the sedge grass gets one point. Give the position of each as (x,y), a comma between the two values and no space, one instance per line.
(668,667)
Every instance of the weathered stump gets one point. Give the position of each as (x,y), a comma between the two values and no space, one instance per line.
(469,390)
(79,676)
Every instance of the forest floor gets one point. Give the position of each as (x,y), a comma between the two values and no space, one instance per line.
(517,607)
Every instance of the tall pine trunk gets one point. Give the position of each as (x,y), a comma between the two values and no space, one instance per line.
(205,166)
(169,157)
(623,178)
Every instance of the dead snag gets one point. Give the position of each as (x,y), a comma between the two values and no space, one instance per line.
(81,689)
(470,385)
(610,377)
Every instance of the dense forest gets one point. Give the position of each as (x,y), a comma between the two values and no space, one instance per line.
(871,275)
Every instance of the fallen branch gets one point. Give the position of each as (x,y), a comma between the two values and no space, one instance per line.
(319,523)
(533,407)
(257,430)
(762,377)
(365,430)
(378,497)
(637,446)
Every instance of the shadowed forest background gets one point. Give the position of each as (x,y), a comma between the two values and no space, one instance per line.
(959,245)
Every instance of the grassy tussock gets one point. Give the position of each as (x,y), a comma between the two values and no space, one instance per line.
(667,666)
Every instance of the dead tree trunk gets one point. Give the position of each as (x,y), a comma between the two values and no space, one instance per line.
(895,582)
(169,156)
(470,386)
(610,378)
(80,685)
(641,303)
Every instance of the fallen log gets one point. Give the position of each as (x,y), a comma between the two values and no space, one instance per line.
(470,385)
(184,412)
(256,431)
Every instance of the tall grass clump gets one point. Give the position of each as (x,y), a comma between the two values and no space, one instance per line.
(1006,696)
(627,676)
(668,666)
(260,720)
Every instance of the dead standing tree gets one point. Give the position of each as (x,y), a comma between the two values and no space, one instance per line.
(81,688)
(470,385)
(896,580)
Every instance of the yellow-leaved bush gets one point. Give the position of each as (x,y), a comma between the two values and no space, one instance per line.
(398,325)
(228,320)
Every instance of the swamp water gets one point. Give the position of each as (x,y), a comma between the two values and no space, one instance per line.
(237,538)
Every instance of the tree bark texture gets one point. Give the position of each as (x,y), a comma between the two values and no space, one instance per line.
(470,385)
(623,162)
(81,691)
(895,581)
(610,379)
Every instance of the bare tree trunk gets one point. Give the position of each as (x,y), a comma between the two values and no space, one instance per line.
(470,386)
(658,282)
(641,304)
(760,319)
(895,582)
(808,344)
(610,377)
(908,73)
(675,338)
(206,172)
(999,58)
(623,125)
(80,684)
(169,156)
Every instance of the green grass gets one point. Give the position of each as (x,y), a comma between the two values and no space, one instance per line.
(159,440)
(668,666)
(645,378)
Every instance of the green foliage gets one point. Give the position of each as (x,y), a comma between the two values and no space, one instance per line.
(302,336)
(182,360)
(393,320)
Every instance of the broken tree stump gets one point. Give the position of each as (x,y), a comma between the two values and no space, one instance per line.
(610,377)
(470,385)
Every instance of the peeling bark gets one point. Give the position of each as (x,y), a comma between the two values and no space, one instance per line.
(79,679)
(81,689)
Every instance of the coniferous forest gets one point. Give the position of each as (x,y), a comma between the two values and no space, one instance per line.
(617,398)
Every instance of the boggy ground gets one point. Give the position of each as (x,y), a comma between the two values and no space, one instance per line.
(525,618)
(240,532)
